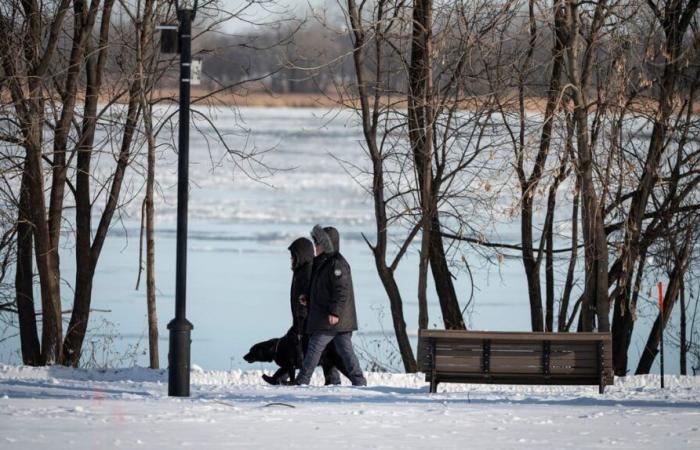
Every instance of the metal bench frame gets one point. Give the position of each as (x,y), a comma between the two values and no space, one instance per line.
(455,356)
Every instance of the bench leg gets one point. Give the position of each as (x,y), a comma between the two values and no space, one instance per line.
(433,382)
(601,368)
(433,386)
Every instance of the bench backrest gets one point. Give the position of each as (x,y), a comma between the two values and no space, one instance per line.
(513,356)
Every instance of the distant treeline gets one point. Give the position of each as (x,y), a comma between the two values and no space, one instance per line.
(316,58)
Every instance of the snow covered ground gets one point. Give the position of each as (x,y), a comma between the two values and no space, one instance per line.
(60,408)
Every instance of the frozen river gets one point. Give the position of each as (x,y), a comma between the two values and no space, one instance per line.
(238,267)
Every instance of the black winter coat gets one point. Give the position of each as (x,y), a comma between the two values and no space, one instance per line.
(331,293)
(303,252)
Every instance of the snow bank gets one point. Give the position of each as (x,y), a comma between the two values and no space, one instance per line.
(58,407)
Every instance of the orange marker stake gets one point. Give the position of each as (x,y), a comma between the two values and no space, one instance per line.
(661,315)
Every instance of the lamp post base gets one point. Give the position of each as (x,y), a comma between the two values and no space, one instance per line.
(179,358)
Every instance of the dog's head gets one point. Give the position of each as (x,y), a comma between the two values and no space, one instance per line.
(262,351)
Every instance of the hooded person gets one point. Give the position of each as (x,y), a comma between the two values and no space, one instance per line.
(302,255)
(331,317)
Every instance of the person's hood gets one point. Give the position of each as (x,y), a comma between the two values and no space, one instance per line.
(320,236)
(334,237)
(303,251)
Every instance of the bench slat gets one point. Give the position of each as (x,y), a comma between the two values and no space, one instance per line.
(521,379)
(519,336)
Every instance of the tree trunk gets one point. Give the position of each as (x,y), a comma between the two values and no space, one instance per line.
(419,74)
(624,316)
(424,259)
(150,274)
(549,260)
(87,250)
(24,283)
(595,300)
(675,24)
(52,329)
(531,265)
(651,349)
(83,21)
(529,184)
(683,345)
(569,282)
(25,79)
(420,126)
(397,316)
(369,116)
(150,186)
(82,297)
(449,305)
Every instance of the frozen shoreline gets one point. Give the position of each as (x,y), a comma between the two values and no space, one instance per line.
(58,407)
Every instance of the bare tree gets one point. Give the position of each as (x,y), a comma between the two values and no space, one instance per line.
(33,29)
(646,217)
(76,109)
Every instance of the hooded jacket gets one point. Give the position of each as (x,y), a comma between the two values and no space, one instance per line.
(331,290)
(303,252)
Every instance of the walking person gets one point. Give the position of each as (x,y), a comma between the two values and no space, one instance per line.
(302,256)
(331,316)
(301,253)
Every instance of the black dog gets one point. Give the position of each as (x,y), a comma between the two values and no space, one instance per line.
(283,352)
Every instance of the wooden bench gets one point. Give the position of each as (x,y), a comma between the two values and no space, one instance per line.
(453,356)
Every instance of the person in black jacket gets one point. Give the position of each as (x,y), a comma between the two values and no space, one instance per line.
(302,255)
(331,317)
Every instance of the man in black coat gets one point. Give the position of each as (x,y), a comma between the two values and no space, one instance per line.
(332,317)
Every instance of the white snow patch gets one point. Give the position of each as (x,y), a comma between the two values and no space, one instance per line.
(57,407)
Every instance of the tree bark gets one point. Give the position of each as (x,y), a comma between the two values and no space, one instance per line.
(675,21)
(397,316)
(38,39)
(529,183)
(420,130)
(569,282)
(83,22)
(418,123)
(624,316)
(595,300)
(47,265)
(449,305)
(651,348)
(530,263)
(145,31)
(370,117)
(87,249)
(24,282)
(683,344)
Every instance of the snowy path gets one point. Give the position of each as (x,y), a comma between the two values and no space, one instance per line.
(63,408)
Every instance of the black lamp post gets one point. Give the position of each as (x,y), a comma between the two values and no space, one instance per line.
(181,328)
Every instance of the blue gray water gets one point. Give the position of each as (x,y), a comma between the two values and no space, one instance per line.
(239,230)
